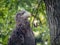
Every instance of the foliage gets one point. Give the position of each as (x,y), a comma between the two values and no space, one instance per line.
(38,21)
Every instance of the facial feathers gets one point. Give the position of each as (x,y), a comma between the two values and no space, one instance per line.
(23,14)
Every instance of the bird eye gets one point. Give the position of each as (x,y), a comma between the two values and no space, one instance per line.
(23,12)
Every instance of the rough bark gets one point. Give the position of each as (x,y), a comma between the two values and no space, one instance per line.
(53,13)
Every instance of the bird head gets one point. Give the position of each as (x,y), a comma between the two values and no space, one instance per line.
(23,14)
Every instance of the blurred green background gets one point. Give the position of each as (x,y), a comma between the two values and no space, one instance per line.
(38,21)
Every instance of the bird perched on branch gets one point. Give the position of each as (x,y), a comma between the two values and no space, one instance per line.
(22,35)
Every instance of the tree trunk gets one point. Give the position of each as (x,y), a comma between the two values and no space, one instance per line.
(53,13)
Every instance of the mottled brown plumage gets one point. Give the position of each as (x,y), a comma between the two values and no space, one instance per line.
(23,34)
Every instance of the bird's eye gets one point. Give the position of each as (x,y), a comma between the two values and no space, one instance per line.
(23,12)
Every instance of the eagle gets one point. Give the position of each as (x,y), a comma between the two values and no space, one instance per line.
(22,34)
